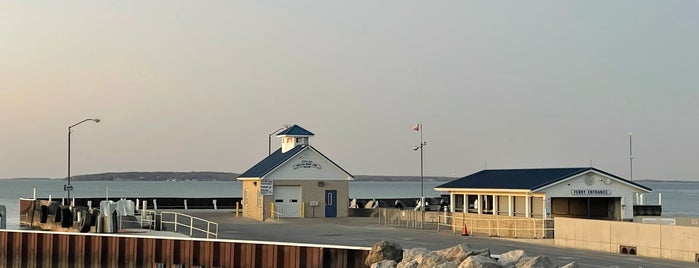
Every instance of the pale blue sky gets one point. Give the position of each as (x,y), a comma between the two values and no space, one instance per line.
(198,85)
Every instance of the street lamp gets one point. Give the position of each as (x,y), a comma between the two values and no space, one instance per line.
(68,187)
(269,146)
(630,157)
(418,127)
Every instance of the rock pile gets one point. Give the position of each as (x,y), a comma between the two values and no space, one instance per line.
(390,255)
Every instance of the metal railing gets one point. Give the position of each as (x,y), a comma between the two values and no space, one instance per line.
(498,226)
(187,224)
(487,225)
(277,211)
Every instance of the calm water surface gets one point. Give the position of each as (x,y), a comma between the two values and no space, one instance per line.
(678,199)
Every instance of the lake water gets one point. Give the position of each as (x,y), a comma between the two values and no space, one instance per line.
(679,198)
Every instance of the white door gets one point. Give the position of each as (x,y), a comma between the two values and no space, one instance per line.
(288,198)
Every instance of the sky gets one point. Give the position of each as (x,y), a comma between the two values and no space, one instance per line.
(200,85)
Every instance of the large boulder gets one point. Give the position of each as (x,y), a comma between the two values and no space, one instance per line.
(456,253)
(407,264)
(384,250)
(511,258)
(385,264)
(414,253)
(448,264)
(431,260)
(536,262)
(422,257)
(570,265)
(481,252)
(479,261)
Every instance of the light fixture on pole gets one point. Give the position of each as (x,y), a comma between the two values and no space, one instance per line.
(418,127)
(68,187)
(630,158)
(269,140)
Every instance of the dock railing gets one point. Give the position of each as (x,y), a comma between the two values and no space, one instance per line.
(172,221)
(473,224)
(277,211)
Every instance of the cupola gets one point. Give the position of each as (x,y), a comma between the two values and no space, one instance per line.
(294,136)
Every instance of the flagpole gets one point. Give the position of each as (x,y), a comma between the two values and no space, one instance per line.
(418,127)
(422,183)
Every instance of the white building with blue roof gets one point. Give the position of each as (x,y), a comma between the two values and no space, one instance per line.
(296,180)
(545,193)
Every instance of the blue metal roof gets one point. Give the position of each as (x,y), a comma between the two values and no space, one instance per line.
(270,163)
(295,130)
(521,179)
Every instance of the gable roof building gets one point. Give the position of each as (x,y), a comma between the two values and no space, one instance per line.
(295,180)
(584,192)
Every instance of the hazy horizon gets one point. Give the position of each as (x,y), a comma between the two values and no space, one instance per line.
(198,86)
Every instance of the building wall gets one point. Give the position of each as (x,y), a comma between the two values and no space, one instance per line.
(311,191)
(253,202)
(537,207)
(596,182)
(650,240)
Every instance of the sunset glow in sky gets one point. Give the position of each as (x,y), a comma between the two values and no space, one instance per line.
(199,85)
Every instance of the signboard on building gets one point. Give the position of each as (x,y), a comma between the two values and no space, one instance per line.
(591,192)
(266,187)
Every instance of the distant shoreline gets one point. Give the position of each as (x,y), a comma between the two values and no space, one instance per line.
(212,176)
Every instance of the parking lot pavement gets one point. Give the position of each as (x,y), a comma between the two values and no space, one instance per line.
(365,232)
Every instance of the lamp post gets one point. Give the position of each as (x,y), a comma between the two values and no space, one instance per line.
(630,158)
(269,144)
(418,127)
(68,187)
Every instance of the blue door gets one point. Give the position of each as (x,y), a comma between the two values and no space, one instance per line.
(330,203)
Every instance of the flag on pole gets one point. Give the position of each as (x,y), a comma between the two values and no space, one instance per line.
(416,127)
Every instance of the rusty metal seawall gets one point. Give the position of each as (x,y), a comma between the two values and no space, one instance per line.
(19,248)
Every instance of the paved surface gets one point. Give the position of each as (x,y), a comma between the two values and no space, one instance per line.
(365,232)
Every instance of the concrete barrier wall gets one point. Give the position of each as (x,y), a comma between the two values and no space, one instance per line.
(650,240)
(54,249)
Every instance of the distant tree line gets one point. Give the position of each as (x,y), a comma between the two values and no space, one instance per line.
(158,176)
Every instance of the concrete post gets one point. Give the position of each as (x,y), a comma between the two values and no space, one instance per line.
(465,203)
(528,206)
(510,206)
(496,205)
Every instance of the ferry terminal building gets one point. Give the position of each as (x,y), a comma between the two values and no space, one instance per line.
(545,193)
(297,179)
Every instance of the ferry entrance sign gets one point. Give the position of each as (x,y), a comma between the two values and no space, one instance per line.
(590,192)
